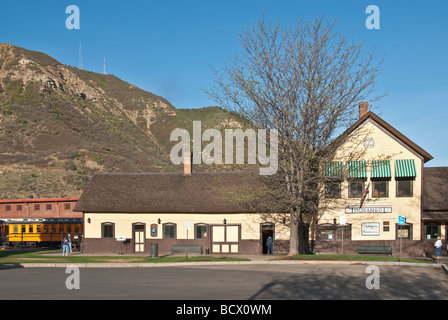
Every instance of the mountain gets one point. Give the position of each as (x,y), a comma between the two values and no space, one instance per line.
(59,125)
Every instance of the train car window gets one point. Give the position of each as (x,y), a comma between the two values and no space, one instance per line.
(45,228)
(30,228)
(37,207)
(23,228)
(38,228)
(67,206)
(53,228)
(15,228)
(48,206)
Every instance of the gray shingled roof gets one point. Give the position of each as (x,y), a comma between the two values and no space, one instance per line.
(435,193)
(200,192)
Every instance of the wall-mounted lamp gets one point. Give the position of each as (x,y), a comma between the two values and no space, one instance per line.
(225,221)
(159,221)
(88,220)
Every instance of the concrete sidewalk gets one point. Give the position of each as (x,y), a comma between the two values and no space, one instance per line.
(253,260)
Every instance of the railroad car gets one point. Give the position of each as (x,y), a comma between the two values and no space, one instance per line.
(39,232)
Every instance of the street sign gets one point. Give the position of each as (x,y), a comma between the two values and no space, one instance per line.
(342,222)
(187,225)
(401,222)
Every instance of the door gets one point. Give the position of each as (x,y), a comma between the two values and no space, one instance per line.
(225,238)
(267,230)
(139,238)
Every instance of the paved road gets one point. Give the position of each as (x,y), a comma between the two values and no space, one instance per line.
(234,282)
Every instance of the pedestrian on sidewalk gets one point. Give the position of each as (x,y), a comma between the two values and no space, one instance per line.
(438,246)
(65,246)
(69,242)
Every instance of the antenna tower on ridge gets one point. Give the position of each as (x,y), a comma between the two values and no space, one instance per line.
(80,55)
(104,71)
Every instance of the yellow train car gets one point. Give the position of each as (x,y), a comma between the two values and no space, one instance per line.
(40,232)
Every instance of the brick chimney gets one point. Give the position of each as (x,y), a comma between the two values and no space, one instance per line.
(363,108)
(187,163)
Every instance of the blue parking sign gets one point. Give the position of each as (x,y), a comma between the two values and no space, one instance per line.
(401,220)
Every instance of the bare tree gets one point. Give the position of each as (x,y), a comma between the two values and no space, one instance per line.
(306,81)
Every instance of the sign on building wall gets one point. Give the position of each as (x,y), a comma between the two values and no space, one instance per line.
(369,210)
(154,230)
(370,229)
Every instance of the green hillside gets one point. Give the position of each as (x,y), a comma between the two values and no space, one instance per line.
(59,125)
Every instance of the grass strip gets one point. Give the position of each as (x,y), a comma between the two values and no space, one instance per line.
(55,256)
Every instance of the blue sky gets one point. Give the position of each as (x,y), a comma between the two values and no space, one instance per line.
(165,47)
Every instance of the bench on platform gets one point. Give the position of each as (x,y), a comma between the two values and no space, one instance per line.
(374,250)
(177,248)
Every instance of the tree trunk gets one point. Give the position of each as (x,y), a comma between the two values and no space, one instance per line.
(294,232)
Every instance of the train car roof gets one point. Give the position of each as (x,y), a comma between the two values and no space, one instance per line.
(41,220)
(38,200)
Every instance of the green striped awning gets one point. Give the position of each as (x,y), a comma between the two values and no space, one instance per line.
(381,169)
(357,169)
(333,169)
(405,168)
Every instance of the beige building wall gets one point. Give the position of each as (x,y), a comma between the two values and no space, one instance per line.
(386,147)
(250,223)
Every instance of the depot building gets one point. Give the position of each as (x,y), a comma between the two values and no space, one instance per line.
(374,196)
(126,213)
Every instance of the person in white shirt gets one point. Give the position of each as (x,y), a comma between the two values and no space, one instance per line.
(438,246)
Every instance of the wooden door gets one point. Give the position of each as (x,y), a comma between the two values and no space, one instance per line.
(139,238)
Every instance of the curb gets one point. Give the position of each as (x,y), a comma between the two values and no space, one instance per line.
(215,263)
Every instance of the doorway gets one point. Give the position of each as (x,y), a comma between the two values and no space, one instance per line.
(267,230)
(139,238)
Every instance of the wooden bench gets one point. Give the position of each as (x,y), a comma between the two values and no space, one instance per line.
(374,250)
(186,247)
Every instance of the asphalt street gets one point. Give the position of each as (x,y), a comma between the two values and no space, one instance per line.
(230,282)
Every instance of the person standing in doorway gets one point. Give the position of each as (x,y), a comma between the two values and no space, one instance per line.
(270,244)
